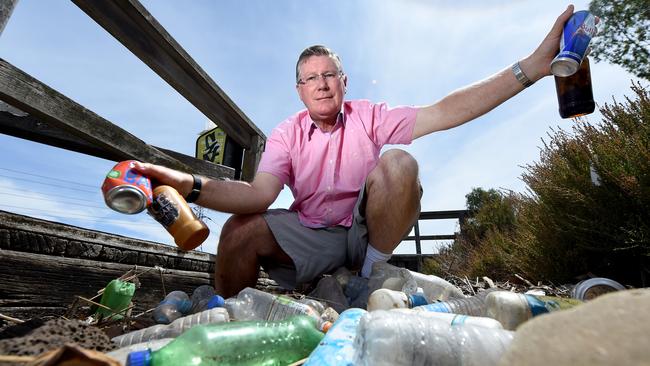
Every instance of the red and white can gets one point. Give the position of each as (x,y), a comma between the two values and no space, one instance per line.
(125,190)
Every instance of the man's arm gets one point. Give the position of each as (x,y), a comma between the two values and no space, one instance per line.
(470,102)
(226,196)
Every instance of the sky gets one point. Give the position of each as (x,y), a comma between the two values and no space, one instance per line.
(406,52)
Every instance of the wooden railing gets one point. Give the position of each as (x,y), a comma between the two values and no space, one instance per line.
(414,261)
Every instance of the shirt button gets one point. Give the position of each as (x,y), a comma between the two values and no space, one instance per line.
(329,188)
(331,161)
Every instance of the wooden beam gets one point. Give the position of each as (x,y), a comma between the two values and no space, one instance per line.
(6,8)
(29,128)
(78,128)
(438,215)
(252,158)
(131,24)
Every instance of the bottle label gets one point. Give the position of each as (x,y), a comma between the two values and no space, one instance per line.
(164,210)
(283,307)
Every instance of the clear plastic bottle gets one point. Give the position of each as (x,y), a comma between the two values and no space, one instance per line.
(175,305)
(237,343)
(394,338)
(121,354)
(436,288)
(336,348)
(385,275)
(204,297)
(385,299)
(511,309)
(178,326)
(455,319)
(253,304)
(474,306)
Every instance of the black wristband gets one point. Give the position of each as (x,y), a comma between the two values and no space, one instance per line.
(196,190)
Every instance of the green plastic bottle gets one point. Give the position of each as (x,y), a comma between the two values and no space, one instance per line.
(253,342)
(117,296)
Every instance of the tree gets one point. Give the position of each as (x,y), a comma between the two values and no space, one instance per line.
(624,38)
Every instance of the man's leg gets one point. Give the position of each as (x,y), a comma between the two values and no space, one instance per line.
(393,201)
(244,241)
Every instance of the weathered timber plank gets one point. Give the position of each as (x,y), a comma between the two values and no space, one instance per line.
(62,239)
(31,128)
(30,95)
(252,159)
(37,280)
(131,24)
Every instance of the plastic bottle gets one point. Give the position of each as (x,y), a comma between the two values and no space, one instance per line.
(253,304)
(574,93)
(178,326)
(237,343)
(204,297)
(455,319)
(594,287)
(121,354)
(394,338)
(385,275)
(436,288)
(175,305)
(474,306)
(171,211)
(336,348)
(385,299)
(117,296)
(512,309)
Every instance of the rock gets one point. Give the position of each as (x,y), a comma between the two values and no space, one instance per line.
(613,329)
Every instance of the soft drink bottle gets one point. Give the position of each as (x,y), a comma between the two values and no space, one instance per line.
(394,338)
(253,304)
(512,309)
(336,348)
(385,299)
(177,304)
(237,343)
(474,306)
(178,326)
(455,319)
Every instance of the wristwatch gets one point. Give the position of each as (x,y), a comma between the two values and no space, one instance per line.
(196,190)
(521,77)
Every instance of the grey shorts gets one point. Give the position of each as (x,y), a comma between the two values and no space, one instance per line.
(316,251)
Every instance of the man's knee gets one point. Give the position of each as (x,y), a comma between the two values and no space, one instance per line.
(396,164)
(238,233)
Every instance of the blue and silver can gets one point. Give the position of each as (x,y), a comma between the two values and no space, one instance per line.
(577,34)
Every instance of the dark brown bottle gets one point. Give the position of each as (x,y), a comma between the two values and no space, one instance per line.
(574,94)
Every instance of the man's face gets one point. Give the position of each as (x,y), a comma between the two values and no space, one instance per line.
(323,96)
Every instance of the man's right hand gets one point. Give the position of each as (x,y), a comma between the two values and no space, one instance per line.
(161,175)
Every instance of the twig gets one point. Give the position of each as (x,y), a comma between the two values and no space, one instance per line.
(489,281)
(16,359)
(525,280)
(470,285)
(13,320)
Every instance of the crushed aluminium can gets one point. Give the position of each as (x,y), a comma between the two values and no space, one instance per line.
(125,190)
(577,34)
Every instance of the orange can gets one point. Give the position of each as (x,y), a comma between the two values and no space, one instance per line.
(125,190)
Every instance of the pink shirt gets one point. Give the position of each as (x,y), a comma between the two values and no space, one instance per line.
(326,170)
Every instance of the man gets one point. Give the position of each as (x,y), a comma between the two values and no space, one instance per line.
(352,207)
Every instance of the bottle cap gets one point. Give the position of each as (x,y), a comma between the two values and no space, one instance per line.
(216,302)
(139,358)
(417,300)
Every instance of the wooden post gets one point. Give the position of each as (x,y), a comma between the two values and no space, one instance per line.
(6,8)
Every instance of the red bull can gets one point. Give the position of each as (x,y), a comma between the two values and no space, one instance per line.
(125,190)
(577,34)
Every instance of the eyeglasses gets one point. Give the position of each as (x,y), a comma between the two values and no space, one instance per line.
(326,76)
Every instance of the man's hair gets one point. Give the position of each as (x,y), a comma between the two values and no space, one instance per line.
(317,50)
